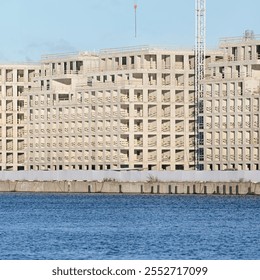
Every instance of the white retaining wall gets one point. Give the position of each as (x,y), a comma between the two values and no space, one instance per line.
(132,176)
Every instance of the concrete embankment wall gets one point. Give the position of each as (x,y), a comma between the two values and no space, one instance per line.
(223,188)
(131,176)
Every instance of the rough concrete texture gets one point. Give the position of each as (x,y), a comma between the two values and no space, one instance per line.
(132,176)
(234,188)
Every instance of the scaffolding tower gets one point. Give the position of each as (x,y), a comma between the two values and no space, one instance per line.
(200,50)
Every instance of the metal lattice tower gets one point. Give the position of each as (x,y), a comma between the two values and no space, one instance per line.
(200,49)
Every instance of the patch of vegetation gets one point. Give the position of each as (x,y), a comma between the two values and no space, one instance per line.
(152,179)
(109,180)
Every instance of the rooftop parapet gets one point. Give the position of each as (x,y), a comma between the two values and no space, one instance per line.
(142,48)
(72,55)
(248,37)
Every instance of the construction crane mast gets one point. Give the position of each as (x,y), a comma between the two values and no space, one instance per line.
(200,49)
(135,8)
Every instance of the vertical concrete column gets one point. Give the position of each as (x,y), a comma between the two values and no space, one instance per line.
(15,78)
(3,76)
(145,79)
(26,75)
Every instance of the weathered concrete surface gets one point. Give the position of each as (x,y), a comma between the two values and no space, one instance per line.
(132,176)
(207,188)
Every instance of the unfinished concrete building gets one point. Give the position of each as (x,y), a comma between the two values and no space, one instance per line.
(134,108)
(230,132)
(14,82)
(119,109)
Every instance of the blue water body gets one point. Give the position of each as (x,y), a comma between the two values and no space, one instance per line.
(89,226)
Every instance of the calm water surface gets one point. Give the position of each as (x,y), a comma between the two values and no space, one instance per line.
(81,226)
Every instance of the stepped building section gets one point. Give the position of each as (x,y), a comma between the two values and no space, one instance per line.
(230,132)
(132,109)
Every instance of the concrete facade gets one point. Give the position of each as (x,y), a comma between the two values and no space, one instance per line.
(231,107)
(15,79)
(120,109)
(132,108)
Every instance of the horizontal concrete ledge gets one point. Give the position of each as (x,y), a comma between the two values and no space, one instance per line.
(132,176)
(205,188)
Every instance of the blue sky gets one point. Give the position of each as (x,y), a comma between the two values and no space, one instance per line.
(30,28)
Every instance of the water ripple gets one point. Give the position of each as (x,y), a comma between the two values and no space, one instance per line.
(80,226)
